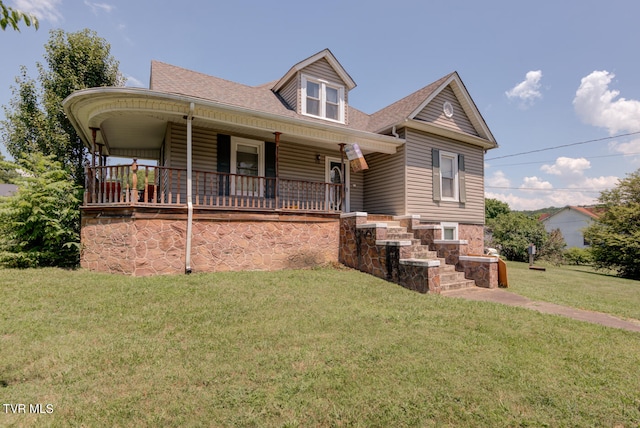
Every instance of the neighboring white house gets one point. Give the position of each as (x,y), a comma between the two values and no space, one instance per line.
(7,189)
(571,221)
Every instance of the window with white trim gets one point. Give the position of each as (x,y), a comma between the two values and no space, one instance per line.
(322,99)
(449,231)
(247,161)
(449,176)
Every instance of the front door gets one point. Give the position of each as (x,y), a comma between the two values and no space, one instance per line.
(334,174)
(247,161)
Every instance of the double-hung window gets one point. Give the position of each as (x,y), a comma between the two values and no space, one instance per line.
(322,99)
(449,178)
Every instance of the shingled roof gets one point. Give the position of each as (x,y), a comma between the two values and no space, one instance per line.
(402,109)
(177,80)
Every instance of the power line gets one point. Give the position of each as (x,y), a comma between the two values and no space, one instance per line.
(549,161)
(565,145)
(564,189)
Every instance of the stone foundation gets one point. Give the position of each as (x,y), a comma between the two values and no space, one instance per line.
(474,235)
(140,242)
(483,270)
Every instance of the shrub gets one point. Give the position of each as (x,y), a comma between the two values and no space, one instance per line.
(615,236)
(39,225)
(578,256)
(552,250)
(512,232)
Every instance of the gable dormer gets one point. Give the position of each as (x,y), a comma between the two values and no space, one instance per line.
(317,87)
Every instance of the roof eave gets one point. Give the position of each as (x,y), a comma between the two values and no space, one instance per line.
(467,103)
(326,53)
(449,133)
(208,109)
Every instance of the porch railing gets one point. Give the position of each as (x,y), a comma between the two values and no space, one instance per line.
(161,186)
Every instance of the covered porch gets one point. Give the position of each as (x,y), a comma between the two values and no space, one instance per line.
(170,150)
(137,184)
(178,184)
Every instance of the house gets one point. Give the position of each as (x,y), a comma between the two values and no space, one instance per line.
(227,176)
(7,189)
(571,220)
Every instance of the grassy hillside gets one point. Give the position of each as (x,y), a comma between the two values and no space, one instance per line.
(299,348)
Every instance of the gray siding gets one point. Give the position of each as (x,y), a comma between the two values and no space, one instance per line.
(203,147)
(204,156)
(298,162)
(322,70)
(420,180)
(290,91)
(433,113)
(385,183)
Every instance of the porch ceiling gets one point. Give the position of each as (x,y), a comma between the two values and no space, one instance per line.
(134,120)
(121,133)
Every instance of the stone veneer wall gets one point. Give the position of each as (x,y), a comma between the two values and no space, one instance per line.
(140,242)
(483,270)
(364,247)
(358,247)
(474,235)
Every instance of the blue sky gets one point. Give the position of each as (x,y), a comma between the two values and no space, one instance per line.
(543,74)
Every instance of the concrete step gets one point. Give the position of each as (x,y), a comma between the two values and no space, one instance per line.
(445,267)
(401,236)
(423,254)
(452,276)
(420,255)
(457,285)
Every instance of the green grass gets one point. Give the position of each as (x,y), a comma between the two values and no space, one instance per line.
(577,286)
(299,348)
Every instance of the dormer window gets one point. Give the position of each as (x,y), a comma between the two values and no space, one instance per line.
(322,99)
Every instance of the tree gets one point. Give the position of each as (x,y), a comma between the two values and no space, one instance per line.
(35,120)
(615,236)
(553,248)
(39,225)
(11,17)
(7,171)
(513,232)
(26,129)
(493,208)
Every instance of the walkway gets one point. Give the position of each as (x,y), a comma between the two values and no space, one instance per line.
(511,299)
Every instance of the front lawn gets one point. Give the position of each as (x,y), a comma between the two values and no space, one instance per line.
(577,286)
(298,348)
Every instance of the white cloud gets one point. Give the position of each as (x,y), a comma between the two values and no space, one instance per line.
(596,105)
(535,183)
(97,7)
(44,10)
(535,193)
(562,198)
(630,148)
(133,82)
(567,167)
(498,179)
(518,203)
(596,183)
(528,90)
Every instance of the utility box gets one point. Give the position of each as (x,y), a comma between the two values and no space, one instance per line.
(532,252)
